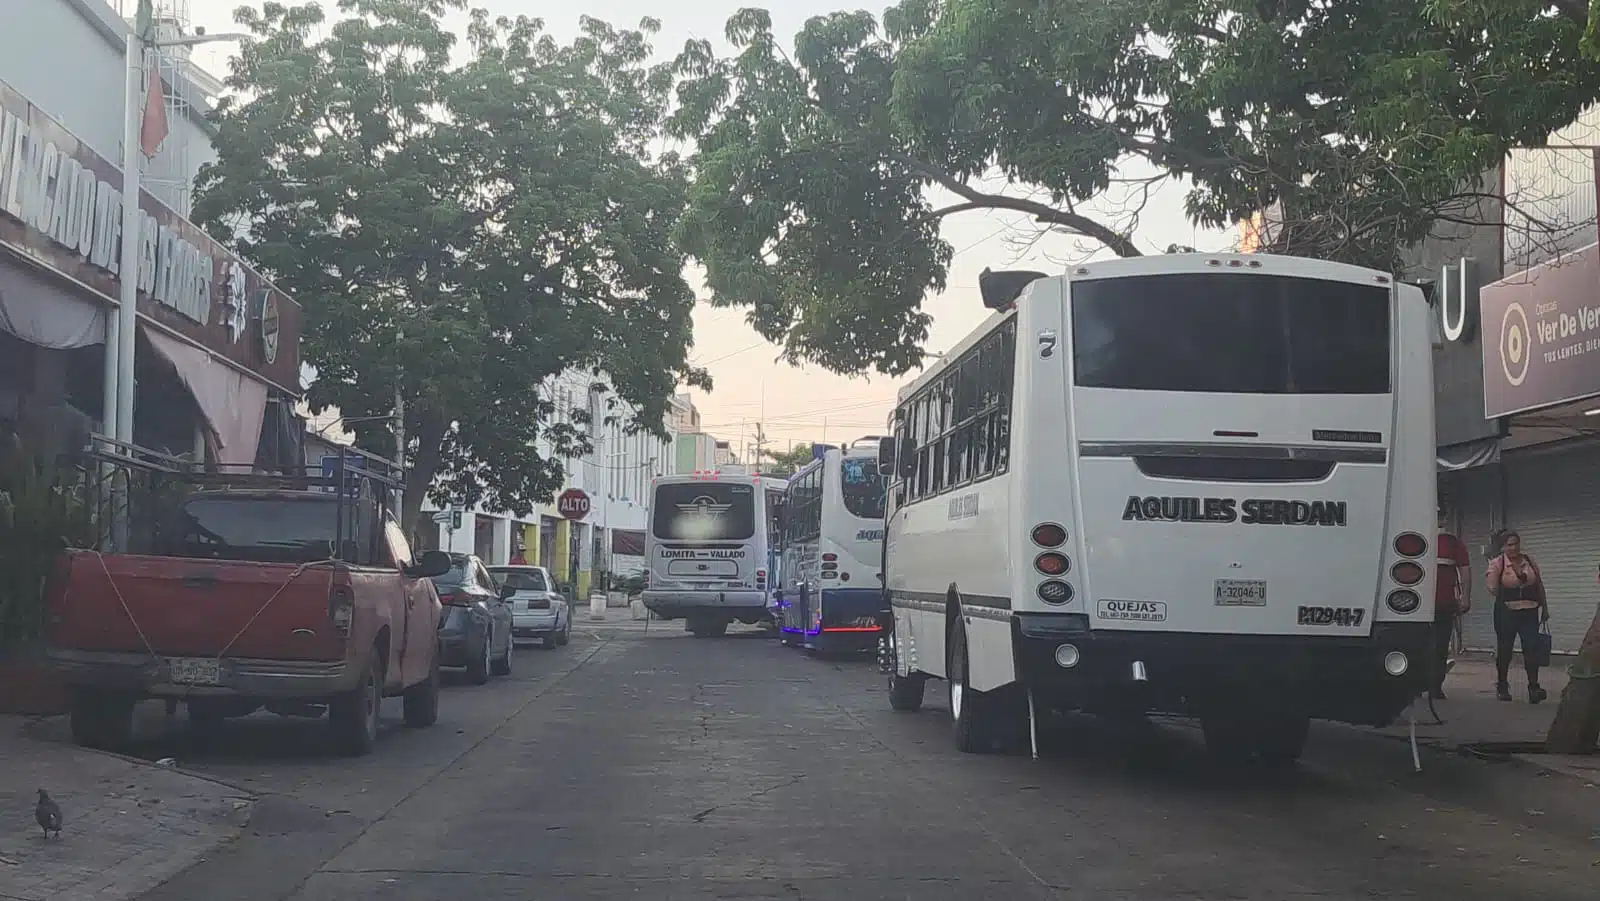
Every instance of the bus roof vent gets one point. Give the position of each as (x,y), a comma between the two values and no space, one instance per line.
(1001,289)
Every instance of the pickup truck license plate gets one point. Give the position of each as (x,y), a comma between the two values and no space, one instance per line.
(1241,593)
(195,670)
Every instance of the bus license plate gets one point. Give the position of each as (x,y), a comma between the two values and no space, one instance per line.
(195,671)
(1241,593)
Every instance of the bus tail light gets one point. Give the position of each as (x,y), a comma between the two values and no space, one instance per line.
(1404,600)
(830,557)
(1048,534)
(1051,563)
(761,578)
(1407,573)
(1410,544)
(1055,591)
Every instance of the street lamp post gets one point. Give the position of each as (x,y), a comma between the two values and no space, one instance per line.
(122,329)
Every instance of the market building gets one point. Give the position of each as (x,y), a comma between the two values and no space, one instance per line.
(217,362)
(1517,376)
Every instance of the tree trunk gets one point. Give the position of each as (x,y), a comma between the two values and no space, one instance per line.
(1576,728)
(419,475)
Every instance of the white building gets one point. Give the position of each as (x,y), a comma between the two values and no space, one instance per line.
(614,477)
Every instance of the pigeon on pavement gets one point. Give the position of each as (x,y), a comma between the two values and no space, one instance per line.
(48,814)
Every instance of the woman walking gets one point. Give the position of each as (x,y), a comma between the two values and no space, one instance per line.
(1520,610)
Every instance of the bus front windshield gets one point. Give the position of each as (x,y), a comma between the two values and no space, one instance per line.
(862,487)
(704,511)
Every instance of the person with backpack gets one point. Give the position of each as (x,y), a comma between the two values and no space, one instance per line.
(1520,613)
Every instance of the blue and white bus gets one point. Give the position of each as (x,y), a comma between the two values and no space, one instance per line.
(833,551)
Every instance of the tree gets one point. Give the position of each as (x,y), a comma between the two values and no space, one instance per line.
(788,462)
(1360,123)
(460,233)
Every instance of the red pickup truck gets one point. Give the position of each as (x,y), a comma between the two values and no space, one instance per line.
(300,601)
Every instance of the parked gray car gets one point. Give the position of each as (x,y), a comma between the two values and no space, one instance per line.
(475,631)
(538,611)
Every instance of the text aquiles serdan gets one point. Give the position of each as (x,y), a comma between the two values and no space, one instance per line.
(1563,327)
(1250,511)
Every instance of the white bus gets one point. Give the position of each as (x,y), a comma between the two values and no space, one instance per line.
(710,549)
(832,525)
(1192,484)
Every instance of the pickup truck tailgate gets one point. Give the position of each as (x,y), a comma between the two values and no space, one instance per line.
(192,607)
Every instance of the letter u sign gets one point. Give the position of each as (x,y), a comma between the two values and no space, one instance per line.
(1458,301)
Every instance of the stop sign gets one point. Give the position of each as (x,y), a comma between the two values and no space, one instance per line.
(573,503)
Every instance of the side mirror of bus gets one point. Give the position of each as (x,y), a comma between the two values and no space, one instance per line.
(905,458)
(886,456)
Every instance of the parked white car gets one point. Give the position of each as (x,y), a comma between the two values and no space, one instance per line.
(538,611)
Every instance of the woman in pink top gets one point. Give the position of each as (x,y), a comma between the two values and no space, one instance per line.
(1519,610)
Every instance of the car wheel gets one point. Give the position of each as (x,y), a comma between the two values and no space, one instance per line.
(478,667)
(501,666)
(422,700)
(353,717)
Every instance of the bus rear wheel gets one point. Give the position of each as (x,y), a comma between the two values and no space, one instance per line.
(984,721)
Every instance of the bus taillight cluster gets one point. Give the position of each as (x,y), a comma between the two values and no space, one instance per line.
(1407,573)
(1052,563)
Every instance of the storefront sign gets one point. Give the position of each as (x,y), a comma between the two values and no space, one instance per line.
(61,205)
(1541,335)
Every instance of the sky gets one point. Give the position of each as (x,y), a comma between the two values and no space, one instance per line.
(799,404)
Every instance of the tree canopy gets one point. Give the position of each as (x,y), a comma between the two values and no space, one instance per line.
(787,462)
(1358,124)
(460,231)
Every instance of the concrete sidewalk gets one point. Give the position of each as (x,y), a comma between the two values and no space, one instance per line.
(1474,720)
(128,825)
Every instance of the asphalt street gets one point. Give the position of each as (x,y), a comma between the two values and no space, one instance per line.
(667,767)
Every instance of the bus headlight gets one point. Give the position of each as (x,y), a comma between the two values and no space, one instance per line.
(1395,663)
(1066,656)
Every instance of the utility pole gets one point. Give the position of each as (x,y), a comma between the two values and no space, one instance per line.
(760,443)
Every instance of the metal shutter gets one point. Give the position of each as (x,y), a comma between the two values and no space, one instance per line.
(1554,503)
(1471,495)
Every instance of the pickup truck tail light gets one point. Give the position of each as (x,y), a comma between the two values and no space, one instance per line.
(341,608)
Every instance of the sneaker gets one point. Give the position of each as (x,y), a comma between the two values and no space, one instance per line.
(1536,694)
(1502,691)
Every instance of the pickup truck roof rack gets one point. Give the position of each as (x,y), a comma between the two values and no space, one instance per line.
(352,465)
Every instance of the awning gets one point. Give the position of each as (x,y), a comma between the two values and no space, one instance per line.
(1469,454)
(233,403)
(46,314)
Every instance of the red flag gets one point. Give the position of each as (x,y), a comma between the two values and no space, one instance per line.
(153,130)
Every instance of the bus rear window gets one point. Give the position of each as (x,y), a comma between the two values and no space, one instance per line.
(1231,333)
(704,511)
(862,487)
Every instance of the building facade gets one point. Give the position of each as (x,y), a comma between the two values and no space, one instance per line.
(217,354)
(1517,373)
(614,476)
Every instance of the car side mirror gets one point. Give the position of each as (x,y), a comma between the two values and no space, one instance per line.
(507,592)
(905,458)
(431,564)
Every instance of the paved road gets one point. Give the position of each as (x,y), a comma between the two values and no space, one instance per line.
(665,767)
